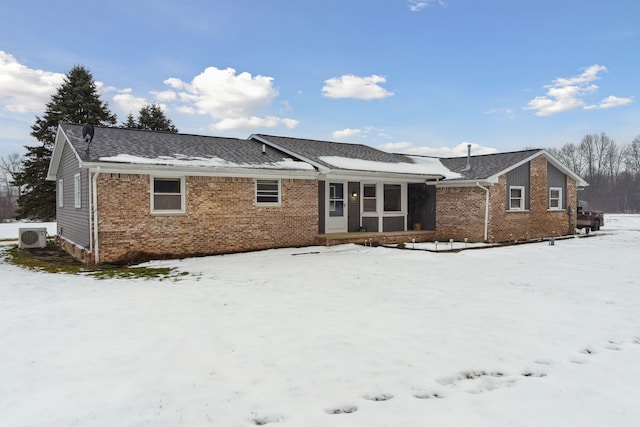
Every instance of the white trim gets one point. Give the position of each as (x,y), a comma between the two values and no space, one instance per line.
(559,199)
(173,171)
(363,198)
(77,191)
(522,198)
(61,193)
(183,195)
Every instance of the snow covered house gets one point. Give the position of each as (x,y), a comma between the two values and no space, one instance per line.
(125,195)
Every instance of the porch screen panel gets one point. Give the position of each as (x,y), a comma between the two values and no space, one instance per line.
(369,201)
(370,223)
(393,223)
(392,198)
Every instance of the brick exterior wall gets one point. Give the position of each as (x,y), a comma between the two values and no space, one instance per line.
(460,211)
(221,217)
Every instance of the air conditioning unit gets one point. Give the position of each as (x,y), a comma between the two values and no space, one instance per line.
(32,237)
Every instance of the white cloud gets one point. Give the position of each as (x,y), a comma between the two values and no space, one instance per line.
(614,101)
(235,101)
(346,133)
(165,96)
(459,150)
(507,112)
(395,146)
(566,94)
(128,103)
(25,90)
(252,122)
(350,86)
(418,5)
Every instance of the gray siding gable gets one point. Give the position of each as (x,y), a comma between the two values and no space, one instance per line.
(73,223)
(488,165)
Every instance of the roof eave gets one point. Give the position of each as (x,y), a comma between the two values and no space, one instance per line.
(113,167)
(446,183)
(56,155)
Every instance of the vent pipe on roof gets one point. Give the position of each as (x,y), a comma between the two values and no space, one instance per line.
(264,149)
(468,166)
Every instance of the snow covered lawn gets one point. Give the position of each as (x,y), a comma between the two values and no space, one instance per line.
(531,335)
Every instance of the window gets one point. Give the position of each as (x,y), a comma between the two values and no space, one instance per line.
(369,198)
(60,193)
(516,198)
(77,191)
(336,199)
(168,195)
(555,198)
(268,192)
(392,198)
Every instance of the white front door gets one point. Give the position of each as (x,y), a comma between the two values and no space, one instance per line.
(336,208)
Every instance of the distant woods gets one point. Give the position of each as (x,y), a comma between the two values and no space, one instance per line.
(612,171)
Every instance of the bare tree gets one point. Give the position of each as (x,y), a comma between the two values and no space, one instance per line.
(9,165)
(571,156)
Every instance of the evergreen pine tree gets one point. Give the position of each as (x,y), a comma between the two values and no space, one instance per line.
(76,101)
(151,117)
(130,123)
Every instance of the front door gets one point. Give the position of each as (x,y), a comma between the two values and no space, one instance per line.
(336,208)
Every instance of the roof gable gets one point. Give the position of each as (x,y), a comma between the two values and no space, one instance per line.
(316,150)
(485,166)
(328,156)
(489,167)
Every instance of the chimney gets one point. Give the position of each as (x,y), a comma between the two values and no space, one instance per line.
(468,167)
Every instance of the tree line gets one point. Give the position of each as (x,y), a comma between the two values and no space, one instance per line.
(612,171)
(24,191)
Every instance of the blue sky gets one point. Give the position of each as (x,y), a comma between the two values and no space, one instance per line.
(403,75)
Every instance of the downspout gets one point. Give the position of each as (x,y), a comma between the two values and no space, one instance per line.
(486,211)
(96,251)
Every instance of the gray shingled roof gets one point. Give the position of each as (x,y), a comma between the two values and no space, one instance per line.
(485,166)
(110,142)
(313,150)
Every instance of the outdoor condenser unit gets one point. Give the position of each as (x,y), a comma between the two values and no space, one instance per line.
(32,237)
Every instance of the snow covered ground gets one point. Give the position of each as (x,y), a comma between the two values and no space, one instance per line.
(530,335)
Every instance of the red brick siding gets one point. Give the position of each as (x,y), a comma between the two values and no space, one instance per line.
(460,211)
(220,217)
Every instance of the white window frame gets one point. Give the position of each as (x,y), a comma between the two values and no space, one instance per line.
(77,191)
(263,193)
(365,198)
(61,193)
(182,195)
(522,198)
(558,199)
(401,201)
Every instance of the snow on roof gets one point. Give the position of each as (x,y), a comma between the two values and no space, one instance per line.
(180,160)
(420,166)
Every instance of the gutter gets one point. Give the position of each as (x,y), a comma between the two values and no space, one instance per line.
(486,211)
(94,183)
